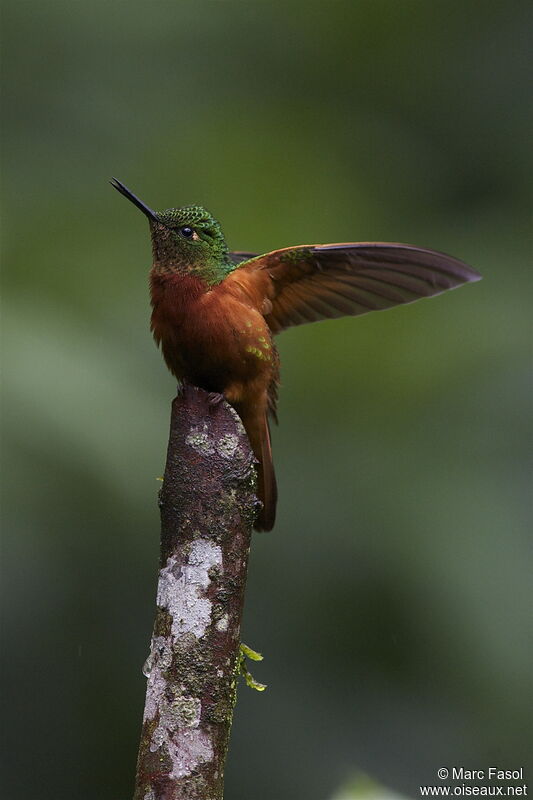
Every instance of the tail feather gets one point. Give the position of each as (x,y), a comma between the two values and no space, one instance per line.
(256,425)
(267,489)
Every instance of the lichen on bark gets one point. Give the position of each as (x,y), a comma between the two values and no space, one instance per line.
(207,505)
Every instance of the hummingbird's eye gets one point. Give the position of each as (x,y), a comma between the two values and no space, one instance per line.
(187,232)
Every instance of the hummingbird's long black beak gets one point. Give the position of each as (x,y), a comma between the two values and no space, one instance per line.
(134,199)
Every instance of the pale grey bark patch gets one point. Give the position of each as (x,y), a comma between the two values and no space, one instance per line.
(181,589)
(191,750)
(227,445)
(155,666)
(187,749)
(222,624)
(200,440)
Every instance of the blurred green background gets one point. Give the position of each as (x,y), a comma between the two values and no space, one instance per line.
(391,601)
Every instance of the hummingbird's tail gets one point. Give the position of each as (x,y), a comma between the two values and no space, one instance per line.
(267,489)
(256,426)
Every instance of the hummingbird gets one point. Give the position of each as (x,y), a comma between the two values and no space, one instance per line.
(215,312)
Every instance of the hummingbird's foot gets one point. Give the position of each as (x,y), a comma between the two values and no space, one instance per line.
(214,398)
(244,653)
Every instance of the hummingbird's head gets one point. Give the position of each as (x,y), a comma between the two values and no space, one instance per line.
(185,240)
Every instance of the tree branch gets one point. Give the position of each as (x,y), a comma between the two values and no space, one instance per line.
(207,509)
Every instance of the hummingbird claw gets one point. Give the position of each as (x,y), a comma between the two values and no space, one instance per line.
(214,398)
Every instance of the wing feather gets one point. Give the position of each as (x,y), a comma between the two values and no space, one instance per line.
(314,282)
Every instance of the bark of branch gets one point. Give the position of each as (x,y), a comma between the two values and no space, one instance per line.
(207,509)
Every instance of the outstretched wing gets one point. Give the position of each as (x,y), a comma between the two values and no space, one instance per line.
(315,282)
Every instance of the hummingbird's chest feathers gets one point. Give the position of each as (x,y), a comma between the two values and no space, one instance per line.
(174,299)
(208,335)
